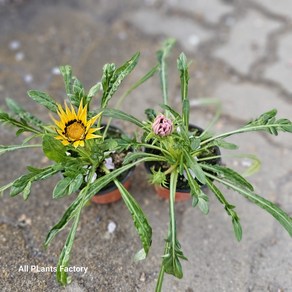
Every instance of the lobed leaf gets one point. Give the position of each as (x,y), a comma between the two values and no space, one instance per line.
(66,72)
(230,175)
(43,99)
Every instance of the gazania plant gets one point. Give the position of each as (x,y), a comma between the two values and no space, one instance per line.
(185,162)
(87,153)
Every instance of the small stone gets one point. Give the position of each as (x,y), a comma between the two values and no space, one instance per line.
(19,56)
(14,45)
(194,40)
(28,78)
(55,71)
(142,277)
(111,227)
(24,220)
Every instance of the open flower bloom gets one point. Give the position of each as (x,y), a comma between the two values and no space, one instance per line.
(162,126)
(73,128)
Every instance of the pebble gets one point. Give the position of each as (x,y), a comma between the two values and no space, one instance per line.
(19,56)
(111,227)
(24,220)
(194,40)
(14,45)
(142,277)
(55,71)
(28,78)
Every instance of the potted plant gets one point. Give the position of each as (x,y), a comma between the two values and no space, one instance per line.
(181,155)
(88,154)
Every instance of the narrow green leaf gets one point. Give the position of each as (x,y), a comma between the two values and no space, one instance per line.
(229,174)
(173,252)
(161,56)
(26,191)
(62,275)
(4,148)
(78,92)
(120,115)
(23,114)
(224,144)
(43,99)
(195,167)
(203,204)
(66,72)
(282,217)
(23,183)
(113,78)
(93,90)
(139,218)
(237,228)
(184,80)
(229,209)
(62,188)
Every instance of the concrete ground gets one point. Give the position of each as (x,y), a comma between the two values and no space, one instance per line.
(241,52)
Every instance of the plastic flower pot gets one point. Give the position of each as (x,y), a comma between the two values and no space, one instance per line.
(182,189)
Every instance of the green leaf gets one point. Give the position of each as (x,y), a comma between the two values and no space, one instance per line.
(54,149)
(194,166)
(173,251)
(223,144)
(43,99)
(184,80)
(267,122)
(67,186)
(136,155)
(237,228)
(229,209)
(203,203)
(282,217)
(94,188)
(78,92)
(23,114)
(112,78)
(194,186)
(61,188)
(229,175)
(23,183)
(22,124)
(66,72)
(117,114)
(62,275)
(161,56)
(172,111)
(93,90)
(4,148)
(139,218)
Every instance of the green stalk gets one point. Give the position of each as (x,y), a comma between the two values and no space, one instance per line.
(161,55)
(238,131)
(173,182)
(160,278)
(172,227)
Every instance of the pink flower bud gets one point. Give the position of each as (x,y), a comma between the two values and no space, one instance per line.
(162,126)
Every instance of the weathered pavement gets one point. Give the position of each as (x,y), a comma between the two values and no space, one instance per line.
(241,52)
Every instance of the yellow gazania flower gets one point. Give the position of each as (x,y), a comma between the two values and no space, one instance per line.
(74,128)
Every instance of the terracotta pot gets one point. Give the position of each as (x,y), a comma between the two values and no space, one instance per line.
(182,194)
(164,193)
(112,194)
